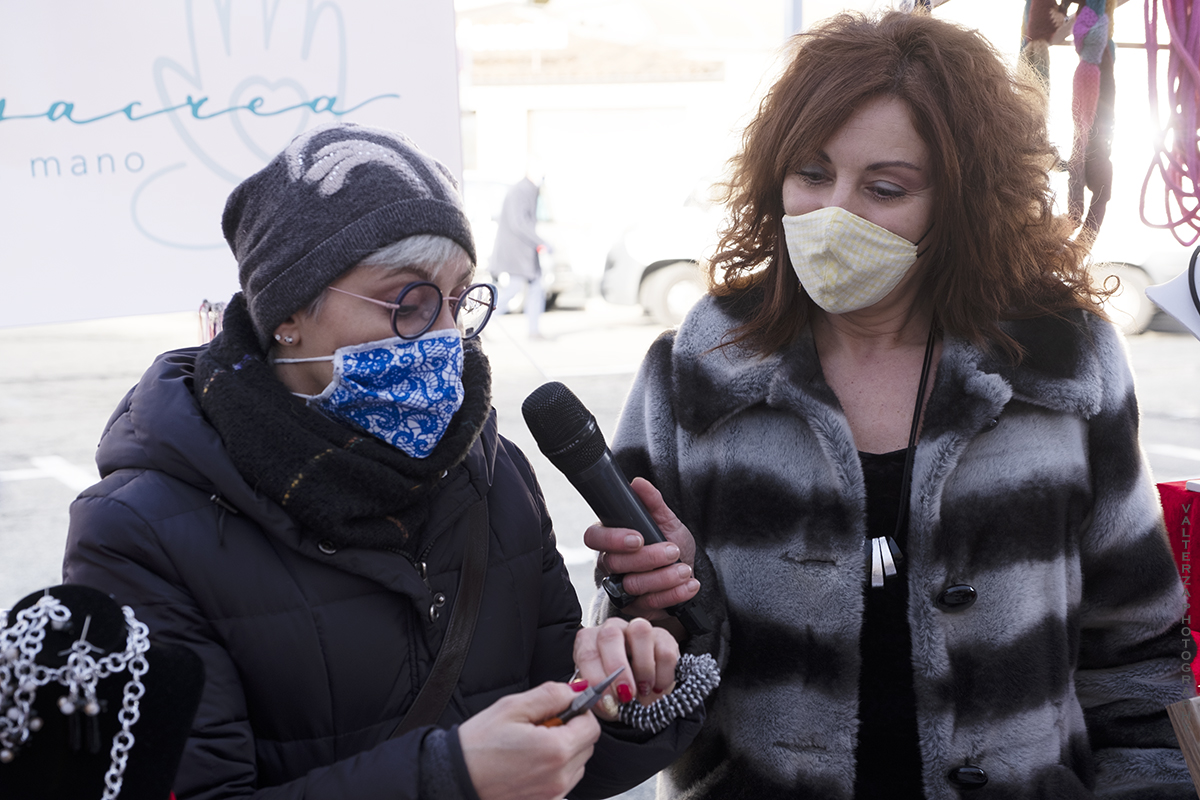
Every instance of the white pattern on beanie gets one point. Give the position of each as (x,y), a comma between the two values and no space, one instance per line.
(333,162)
(294,153)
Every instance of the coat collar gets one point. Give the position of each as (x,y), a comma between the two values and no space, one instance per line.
(1062,371)
(1065,361)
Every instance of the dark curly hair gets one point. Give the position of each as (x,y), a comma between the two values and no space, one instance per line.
(998,252)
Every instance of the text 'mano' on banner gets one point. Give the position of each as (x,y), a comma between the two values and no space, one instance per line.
(124,126)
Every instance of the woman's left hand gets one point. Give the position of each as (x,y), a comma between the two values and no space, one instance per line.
(657,575)
(648,655)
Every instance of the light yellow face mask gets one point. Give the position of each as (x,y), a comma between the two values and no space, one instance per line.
(844,262)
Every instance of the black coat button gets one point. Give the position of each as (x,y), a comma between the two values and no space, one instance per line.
(958,597)
(991,423)
(327,547)
(967,777)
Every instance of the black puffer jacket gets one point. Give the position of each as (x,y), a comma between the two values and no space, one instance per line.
(313,654)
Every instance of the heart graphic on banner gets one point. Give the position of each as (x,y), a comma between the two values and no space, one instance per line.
(268,134)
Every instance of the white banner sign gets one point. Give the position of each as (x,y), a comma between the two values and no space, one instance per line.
(125,124)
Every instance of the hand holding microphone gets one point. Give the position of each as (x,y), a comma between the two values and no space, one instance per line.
(658,575)
(566,432)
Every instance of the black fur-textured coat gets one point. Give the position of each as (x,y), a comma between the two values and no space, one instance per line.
(1028,485)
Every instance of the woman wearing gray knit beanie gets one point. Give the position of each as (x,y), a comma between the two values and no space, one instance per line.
(318,503)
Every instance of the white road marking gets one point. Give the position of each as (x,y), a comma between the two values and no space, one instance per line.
(577,555)
(56,467)
(21,474)
(1174,451)
(595,370)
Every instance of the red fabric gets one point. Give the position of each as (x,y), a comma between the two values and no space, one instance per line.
(1181,512)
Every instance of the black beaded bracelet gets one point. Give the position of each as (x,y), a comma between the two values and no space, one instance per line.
(695,678)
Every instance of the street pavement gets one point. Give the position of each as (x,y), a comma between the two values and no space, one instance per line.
(59,384)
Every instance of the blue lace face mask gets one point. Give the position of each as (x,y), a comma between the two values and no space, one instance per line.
(403,391)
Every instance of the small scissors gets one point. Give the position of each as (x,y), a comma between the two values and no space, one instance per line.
(586,699)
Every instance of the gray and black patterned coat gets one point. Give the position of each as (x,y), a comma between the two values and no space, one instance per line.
(1028,485)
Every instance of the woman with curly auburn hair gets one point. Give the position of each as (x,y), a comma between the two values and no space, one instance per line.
(896,452)
(990,160)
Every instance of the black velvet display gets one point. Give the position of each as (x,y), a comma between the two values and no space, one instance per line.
(53,767)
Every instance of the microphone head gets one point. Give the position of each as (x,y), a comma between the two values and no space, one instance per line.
(565,431)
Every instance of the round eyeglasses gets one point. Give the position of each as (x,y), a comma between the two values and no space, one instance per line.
(419,304)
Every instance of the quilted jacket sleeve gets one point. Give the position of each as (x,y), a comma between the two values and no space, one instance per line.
(558,609)
(110,547)
(1132,606)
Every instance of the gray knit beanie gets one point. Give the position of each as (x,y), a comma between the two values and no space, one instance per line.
(337,194)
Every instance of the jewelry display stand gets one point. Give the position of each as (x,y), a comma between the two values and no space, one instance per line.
(89,706)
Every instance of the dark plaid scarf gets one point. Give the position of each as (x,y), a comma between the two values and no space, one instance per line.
(338,483)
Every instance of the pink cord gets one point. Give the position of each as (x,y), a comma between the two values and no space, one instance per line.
(1177,156)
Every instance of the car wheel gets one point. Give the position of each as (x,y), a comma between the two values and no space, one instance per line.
(1128,308)
(669,293)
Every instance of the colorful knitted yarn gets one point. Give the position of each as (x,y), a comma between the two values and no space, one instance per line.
(1086,88)
(1091,30)
(1090,163)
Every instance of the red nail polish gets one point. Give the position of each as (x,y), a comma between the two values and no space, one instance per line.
(644,688)
(578,686)
(658,690)
(624,693)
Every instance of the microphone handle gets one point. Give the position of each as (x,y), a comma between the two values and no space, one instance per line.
(606,490)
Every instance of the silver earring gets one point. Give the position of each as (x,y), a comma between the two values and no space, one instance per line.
(82,673)
(278,337)
(284,339)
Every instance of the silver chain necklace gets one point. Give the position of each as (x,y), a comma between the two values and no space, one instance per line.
(21,676)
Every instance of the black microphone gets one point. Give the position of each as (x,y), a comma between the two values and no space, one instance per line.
(568,435)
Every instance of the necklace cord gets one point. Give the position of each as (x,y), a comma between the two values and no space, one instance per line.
(909,456)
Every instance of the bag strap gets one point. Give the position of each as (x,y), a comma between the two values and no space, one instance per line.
(435,694)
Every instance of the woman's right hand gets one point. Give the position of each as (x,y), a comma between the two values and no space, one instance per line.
(651,570)
(511,757)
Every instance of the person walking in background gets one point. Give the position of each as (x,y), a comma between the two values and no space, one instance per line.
(517,251)
(898,447)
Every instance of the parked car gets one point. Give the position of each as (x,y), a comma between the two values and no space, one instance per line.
(658,263)
(1138,256)
(482,199)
